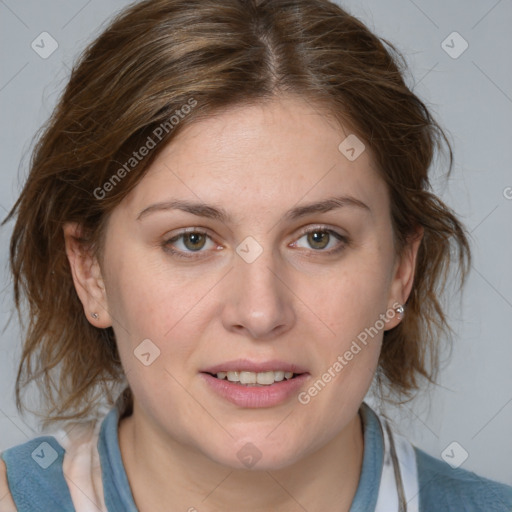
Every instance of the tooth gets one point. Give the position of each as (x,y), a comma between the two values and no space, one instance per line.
(265,378)
(258,379)
(247,378)
(278,376)
(233,376)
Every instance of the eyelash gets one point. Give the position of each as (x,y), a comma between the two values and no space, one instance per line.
(344,241)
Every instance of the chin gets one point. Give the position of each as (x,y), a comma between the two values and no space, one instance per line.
(258,454)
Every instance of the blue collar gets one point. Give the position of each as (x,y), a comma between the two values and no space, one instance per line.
(119,498)
(116,489)
(367,491)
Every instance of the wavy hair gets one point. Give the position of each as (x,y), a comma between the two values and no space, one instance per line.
(152,59)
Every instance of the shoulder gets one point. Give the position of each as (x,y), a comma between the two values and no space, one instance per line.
(6,503)
(32,474)
(456,489)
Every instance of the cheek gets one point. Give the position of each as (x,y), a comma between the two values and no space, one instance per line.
(352,299)
(349,351)
(156,328)
(350,305)
(145,296)
(149,300)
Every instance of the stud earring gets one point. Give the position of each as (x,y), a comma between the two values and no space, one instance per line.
(95,316)
(400,311)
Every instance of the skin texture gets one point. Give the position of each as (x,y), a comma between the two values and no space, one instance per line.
(294,303)
(6,502)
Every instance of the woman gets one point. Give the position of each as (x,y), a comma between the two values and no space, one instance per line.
(229,218)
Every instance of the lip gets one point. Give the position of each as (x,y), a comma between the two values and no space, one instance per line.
(246,365)
(255,396)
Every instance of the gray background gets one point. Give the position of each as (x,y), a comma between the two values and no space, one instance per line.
(470,95)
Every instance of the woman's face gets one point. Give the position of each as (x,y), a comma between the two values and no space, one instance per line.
(248,289)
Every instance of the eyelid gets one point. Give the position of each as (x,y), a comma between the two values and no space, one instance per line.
(342,239)
(318,227)
(192,229)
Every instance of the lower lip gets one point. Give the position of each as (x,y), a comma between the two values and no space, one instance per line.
(256,396)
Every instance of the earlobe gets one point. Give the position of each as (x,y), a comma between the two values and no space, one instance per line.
(87,277)
(403,278)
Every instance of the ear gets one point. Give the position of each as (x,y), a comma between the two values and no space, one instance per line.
(87,277)
(403,276)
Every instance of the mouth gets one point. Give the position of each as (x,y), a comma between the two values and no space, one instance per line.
(248,378)
(252,384)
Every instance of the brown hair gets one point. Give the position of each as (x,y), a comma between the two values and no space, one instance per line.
(154,59)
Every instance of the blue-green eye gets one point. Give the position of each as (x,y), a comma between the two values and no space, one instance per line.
(323,240)
(194,241)
(190,243)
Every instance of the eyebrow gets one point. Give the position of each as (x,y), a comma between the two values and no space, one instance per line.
(212,212)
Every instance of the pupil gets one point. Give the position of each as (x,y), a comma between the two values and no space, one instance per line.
(318,239)
(195,240)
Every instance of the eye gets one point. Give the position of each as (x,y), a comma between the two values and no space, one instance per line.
(322,239)
(190,241)
(193,240)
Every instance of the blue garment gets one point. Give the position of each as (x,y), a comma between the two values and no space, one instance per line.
(442,489)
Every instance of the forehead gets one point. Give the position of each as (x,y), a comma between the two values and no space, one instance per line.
(261,158)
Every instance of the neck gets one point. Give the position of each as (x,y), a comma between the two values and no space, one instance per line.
(163,474)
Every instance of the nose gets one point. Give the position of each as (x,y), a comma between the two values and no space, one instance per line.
(259,301)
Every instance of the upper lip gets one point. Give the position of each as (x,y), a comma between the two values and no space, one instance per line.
(245,365)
